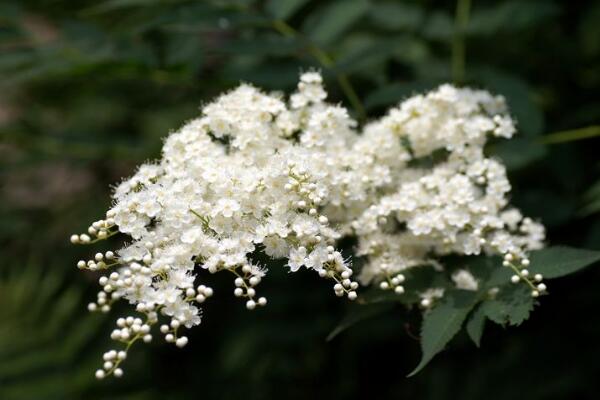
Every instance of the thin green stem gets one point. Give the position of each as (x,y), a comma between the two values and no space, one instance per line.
(571,135)
(326,61)
(523,277)
(98,239)
(461,19)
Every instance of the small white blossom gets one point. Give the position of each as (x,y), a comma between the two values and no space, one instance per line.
(463,279)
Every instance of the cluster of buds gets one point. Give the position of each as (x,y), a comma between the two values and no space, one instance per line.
(521,274)
(340,273)
(171,333)
(99,230)
(393,283)
(100,261)
(128,331)
(244,287)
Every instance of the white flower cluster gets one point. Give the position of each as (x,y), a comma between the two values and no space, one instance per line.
(256,173)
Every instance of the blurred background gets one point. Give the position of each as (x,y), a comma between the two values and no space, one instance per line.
(88,89)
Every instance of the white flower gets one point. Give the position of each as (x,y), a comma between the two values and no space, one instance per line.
(226,207)
(463,279)
(297,258)
(256,173)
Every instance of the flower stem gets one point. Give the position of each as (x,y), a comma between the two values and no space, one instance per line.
(461,19)
(571,135)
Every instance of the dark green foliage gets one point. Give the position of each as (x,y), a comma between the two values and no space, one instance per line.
(507,304)
(44,336)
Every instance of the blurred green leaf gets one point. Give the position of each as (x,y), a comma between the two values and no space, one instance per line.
(283,9)
(519,96)
(334,19)
(554,262)
(519,152)
(118,5)
(397,16)
(510,16)
(589,30)
(439,26)
(359,314)
(591,200)
(43,336)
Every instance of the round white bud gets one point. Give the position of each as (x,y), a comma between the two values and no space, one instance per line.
(541,287)
(181,342)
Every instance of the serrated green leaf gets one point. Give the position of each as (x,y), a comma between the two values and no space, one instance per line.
(358,314)
(443,322)
(283,9)
(554,262)
(489,271)
(476,324)
(512,305)
(334,19)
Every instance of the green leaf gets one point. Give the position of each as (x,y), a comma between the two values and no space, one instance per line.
(512,305)
(443,322)
(489,271)
(439,26)
(589,30)
(591,199)
(118,5)
(554,262)
(519,152)
(283,9)
(397,16)
(338,16)
(475,325)
(358,314)
(510,16)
